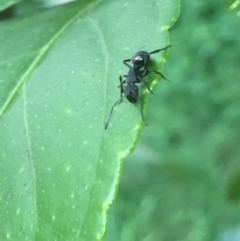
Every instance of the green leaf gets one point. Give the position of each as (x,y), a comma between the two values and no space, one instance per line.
(4,4)
(234,5)
(59,76)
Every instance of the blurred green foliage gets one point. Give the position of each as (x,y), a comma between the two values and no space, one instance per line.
(183,180)
(233,5)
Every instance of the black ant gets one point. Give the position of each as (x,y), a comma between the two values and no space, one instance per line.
(130,90)
(142,60)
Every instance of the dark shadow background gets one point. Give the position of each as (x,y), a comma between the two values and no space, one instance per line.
(182,182)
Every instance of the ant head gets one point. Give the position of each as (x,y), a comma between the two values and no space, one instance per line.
(140,58)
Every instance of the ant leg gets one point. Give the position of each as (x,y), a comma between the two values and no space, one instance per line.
(158,50)
(122,81)
(116,103)
(156,72)
(142,111)
(121,85)
(146,86)
(141,80)
(125,62)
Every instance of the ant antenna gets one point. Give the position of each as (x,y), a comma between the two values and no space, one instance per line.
(142,47)
(158,50)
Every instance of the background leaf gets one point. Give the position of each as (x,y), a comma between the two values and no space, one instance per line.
(4,4)
(234,5)
(59,77)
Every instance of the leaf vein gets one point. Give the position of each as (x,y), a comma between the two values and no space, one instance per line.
(106,55)
(30,158)
(43,51)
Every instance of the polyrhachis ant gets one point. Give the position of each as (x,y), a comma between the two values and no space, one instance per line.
(136,74)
